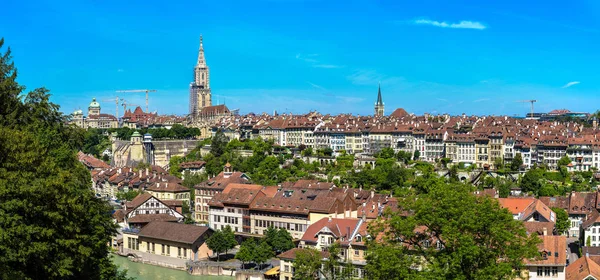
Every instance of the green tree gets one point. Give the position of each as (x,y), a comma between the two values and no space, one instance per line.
(517,162)
(218,143)
(416,155)
(563,161)
(51,224)
(403,156)
(217,243)
(588,242)
(174,168)
(307,264)
(263,253)
(532,180)
(128,196)
(307,152)
(478,238)
(385,153)
(562,220)
(247,250)
(229,237)
(498,163)
(279,239)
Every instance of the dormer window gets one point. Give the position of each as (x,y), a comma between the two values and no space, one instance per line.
(358,238)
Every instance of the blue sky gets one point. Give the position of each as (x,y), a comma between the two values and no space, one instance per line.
(474,57)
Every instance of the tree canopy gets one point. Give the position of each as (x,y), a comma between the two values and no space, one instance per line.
(51,224)
(477,238)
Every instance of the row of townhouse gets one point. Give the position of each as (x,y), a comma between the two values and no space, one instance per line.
(251,209)
(352,233)
(472,140)
(106,183)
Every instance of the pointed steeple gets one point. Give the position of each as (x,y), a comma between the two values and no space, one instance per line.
(201,60)
(379,101)
(379,108)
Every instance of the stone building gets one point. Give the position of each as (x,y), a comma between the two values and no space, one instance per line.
(94,119)
(200,94)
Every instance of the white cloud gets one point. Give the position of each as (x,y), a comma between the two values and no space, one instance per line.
(372,77)
(329,66)
(464,24)
(442,99)
(307,58)
(316,86)
(570,84)
(481,100)
(311,59)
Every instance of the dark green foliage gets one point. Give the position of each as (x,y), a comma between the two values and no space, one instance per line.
(177,131)
(563,161)
(416,155)
(480,240)
(279,239)
(532,181)
(129,196)
(516,163)
(403,156)
(95,142)
(51,224)
(218,144)
(385,153)
(221,241)
(562,220)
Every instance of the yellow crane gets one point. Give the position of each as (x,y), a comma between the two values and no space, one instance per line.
(140,90)
(116,100)
(529,101)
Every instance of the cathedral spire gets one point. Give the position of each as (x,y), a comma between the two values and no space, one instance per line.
(379,101)
(201,60)
(379,107)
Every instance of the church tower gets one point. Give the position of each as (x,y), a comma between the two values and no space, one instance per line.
(200,95)
(379,104)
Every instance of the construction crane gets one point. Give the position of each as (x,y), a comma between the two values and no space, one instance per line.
(529,101)
(116,100)
(140,90)
(125,104)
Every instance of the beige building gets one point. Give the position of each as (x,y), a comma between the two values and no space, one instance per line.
(94,119)
(166,190)
(209,188)
(169,243)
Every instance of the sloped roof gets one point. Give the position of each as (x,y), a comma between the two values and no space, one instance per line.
(516,205)
(291,254)
(146,218)
(182,233)
(582,268)
(555,248)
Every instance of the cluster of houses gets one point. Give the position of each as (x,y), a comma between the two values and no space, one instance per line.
(316,214)
(472,140)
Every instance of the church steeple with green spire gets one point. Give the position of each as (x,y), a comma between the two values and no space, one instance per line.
(379,107)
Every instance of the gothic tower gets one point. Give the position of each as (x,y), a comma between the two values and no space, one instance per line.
(379,104)
(200,95)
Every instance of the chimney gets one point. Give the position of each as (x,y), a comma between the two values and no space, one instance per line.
(158,185)
(329,219)
(119,171)
(147,171)
(545,231)
(140,173)
(364,216)
(348,236)
(372,194)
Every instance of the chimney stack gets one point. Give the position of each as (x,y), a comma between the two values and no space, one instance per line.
(545,231)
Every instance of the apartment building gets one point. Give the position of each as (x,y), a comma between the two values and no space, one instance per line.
(215,185)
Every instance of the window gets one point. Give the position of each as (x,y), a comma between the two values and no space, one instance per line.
(184,252)
(179,252)
(554,271)
(540,271)
(168,250)
(162,250)
(546,271)
(356,253)
(153,248)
